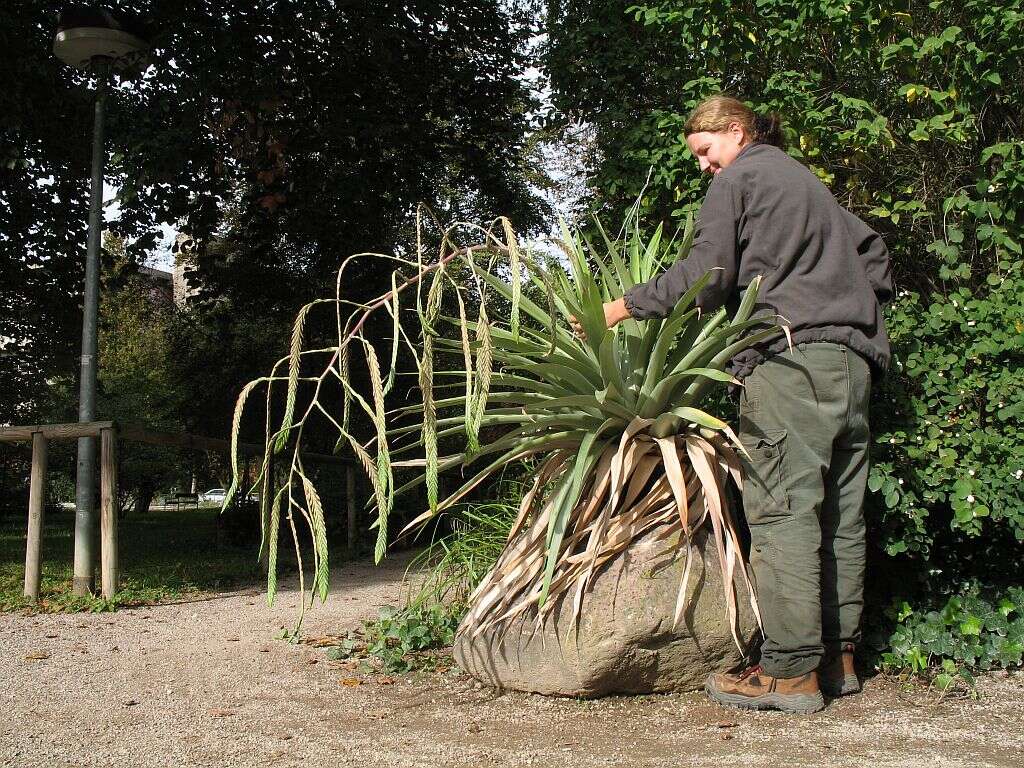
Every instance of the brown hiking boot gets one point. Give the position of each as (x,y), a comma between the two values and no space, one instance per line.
(837,674)
(753,689)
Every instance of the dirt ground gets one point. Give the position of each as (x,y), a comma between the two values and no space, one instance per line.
(204,683)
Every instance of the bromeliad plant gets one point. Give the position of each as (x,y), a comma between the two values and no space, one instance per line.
(613,420)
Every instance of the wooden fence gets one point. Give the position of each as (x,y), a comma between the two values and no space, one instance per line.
(110,433)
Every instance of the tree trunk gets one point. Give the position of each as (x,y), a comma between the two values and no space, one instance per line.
(144,497)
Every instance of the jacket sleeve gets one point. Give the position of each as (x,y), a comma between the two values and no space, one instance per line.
(874,256)
(714,248)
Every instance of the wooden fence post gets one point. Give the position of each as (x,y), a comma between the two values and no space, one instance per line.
(108,512)
(36,502)
(350,502)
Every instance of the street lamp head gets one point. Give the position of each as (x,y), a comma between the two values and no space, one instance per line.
(88,35)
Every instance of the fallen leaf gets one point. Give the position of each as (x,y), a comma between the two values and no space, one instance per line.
(725,736)
(233,639)
(351,681)
(37,656)
(265,649)
(284,736)
(51,636)
(219,712)
(312,661)
(385,680)
(324,641)
(726,724)
(130,703)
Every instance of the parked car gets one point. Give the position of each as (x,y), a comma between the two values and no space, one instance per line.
(213,496)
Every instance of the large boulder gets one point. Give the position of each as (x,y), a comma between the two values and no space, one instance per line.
(625,643)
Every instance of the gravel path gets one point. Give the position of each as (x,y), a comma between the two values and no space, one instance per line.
(204,683)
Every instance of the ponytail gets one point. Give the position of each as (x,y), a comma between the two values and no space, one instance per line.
(768,129)
(718,112)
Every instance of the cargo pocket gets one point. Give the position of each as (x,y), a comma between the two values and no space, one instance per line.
(749,401)
(765,499)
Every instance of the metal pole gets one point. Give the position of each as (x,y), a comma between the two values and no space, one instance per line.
(85,491)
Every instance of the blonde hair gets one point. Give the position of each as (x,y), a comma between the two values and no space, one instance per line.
(717,113)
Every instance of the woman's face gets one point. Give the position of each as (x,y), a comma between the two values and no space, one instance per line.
(716,150)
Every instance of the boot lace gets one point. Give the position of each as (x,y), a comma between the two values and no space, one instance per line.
(752,670)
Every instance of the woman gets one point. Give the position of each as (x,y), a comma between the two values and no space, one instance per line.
(803,412)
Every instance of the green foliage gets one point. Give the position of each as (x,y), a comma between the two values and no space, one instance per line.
(44,199)
(138,376)
(967,635)
(443,575)
(948,421)
(401,640)
(399,636)
(277,136)
(910,114)
(455,564)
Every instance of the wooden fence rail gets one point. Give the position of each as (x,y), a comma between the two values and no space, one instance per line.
(110,433)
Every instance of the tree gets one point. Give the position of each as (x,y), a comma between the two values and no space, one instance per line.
(298,132)
(43,210)
(906,113)
(138,380)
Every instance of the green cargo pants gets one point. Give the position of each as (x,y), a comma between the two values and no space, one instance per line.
(804,422)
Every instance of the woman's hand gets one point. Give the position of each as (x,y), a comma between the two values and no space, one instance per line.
(614,313)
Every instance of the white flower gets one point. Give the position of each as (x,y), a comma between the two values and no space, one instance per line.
(970,322)
(955,305)
(970,472)
(970,498)
(901,481)
(892,440)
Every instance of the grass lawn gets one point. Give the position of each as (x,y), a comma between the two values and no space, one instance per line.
(163,555)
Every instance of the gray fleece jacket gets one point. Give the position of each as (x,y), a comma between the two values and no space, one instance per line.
(824,270)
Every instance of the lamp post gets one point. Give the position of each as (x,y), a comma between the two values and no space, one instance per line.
(99,41)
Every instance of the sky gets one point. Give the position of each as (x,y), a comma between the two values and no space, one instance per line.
(161,258)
